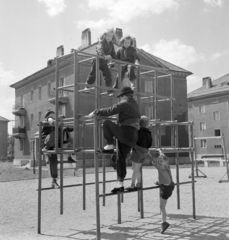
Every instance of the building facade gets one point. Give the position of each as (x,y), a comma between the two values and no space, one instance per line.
(208,107)
(3,137)
(35,95)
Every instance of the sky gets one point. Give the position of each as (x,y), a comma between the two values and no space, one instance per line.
(192,34)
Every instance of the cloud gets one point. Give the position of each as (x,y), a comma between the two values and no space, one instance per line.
(213,3)
(175,51)
(215,56)
(54,7)
(193,82)
(126,10)
(92,24)
(6,77)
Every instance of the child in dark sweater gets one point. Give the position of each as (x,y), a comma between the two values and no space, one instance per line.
(105,49)
(127,53)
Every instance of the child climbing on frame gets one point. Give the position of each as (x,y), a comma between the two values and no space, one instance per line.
(166,184)
(127,53)
(105,49)
(139,153)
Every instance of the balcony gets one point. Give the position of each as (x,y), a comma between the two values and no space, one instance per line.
(63,97)
(19,132)
(19,110)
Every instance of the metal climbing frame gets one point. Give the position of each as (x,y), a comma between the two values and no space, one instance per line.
(222,138)
(152,97)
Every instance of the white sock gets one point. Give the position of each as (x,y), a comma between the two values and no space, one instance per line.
(119,184)
(109,147)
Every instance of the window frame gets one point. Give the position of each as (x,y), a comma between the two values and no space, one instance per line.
(213,116)
(203,145)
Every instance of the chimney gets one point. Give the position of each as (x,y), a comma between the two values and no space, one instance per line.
(118,32)
(60,51)
(207,83)
(135,43)
(86,38)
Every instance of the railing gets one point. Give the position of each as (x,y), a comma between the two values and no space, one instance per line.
(19,110)
(19,130)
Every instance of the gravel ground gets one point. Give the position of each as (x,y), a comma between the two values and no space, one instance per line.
(18,213)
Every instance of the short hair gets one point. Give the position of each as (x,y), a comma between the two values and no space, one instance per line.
(127,37)
(144,121)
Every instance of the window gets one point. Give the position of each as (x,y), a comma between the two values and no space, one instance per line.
(149,112)
(22,121)
(31,120)
(21,145)
(31,95)
(49,89)
(148,86)
(39,93)
(218,146)
(22,100)
(216,116)
(203,143)
(201,108)
(202,126)
(217,132)
(227,105)
(39,116)
(62,110)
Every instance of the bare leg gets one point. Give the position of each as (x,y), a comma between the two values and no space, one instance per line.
(163,203)
(137,173)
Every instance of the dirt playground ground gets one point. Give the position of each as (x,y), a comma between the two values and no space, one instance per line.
(19,207)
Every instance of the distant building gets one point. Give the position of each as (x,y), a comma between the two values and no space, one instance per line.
(208,107)
(3,137)
(35,94)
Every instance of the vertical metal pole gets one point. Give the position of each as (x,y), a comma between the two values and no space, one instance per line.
(177,167)
(84,168)
(192,166)
(195,156)
(76,101)
(95,152)
(141,197)
(119,207)
(61,170)
(96,179)
(57,105)
(225,155)
(155,94)
(172,95)
(104,171)
(39,181)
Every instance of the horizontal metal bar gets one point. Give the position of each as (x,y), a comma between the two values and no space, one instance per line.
(212,137)
(85,60)
(80,184)
(141,189)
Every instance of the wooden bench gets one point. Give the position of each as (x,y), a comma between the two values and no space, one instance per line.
(208,160)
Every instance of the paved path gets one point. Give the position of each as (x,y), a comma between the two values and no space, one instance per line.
(18,213)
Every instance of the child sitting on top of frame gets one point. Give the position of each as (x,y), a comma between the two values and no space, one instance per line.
(166,184)
(105,49)
(139,152)
(127,53)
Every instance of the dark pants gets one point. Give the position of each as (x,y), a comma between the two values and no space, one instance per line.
(130,73)
(104,69)
(127,137)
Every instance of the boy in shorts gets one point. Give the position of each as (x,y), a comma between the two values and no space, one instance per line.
(139,152)
(166,184)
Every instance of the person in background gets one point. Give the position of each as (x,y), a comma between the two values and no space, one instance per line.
(48,143)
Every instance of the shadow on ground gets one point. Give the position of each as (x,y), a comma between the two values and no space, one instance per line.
(182,227)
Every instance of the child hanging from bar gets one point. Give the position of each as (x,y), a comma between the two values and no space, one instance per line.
(105,49)
(139,153)
(127,53)
(166,184)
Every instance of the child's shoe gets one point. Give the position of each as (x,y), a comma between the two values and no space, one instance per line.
(117,189)
(108,149)
(70,160)
(164,226)
(86,90)
(131,187)
(138,186)
(55,185)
